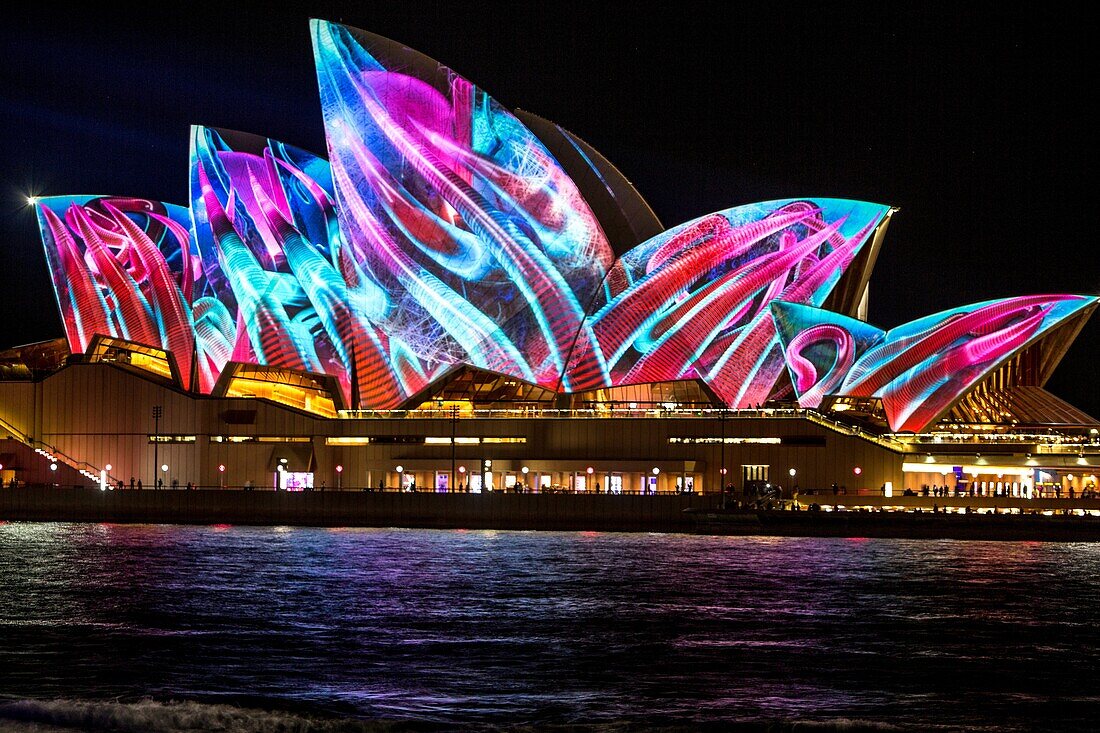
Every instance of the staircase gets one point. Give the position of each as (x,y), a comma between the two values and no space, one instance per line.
(31,462)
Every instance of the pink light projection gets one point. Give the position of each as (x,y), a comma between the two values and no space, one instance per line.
(921,368)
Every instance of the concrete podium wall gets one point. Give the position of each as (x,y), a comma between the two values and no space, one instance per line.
(102,414)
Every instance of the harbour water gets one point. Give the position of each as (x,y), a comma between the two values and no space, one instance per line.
(173,628)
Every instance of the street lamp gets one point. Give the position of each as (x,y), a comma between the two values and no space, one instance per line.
(221,475)
(400,475)
(722,422)
(454,454)
(339,476)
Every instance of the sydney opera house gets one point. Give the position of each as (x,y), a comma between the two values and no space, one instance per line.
(464,297)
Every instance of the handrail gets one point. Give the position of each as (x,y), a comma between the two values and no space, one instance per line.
(623,412)
(49,449)
(395,490)
(19,434)
(593,413)
(822,420)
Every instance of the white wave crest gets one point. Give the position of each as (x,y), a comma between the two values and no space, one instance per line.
(151,716)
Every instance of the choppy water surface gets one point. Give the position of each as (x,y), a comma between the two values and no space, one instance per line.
(164,628)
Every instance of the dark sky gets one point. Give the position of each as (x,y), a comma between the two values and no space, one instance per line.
(970,119)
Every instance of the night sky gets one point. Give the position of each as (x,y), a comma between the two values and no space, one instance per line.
(971,120)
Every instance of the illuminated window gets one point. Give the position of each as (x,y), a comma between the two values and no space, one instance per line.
(467,440)
(295,389)
(261,438)
(148,359)
(171,438)
(348,440)
(728,441)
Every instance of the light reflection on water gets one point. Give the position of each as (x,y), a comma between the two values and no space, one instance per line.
(464,628)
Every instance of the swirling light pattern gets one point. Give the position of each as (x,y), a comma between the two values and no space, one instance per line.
(117,266)
(487,251)
(692,302)
(282,289)
(445,233)
(918,369)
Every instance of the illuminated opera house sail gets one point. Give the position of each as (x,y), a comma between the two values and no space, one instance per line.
(445,235)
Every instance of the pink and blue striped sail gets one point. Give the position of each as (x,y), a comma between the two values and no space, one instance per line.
(282,290)
(445,233)
(122,267)
(693,301)
(458,239)
(486,249)
(918,369)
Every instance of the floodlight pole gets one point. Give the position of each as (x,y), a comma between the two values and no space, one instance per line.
(722,471)
(157,412)
(454,455)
